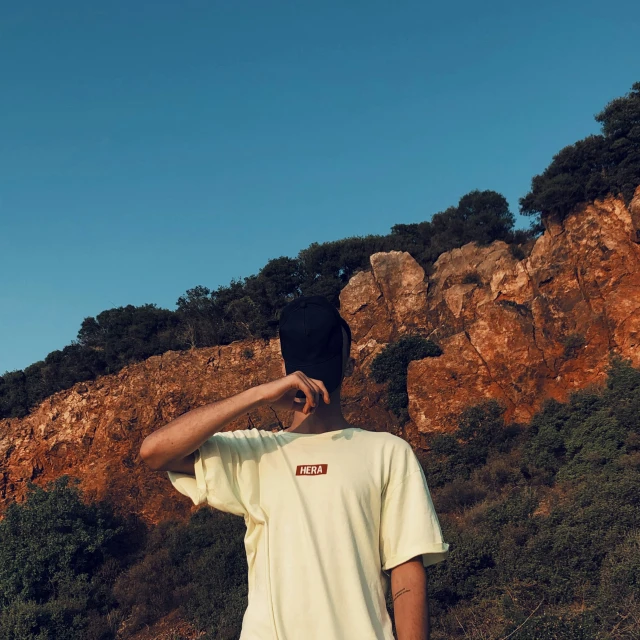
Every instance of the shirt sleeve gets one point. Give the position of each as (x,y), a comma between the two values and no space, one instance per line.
(222,473)
(409,525)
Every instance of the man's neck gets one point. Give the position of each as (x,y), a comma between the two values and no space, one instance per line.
(304,428)
(326,417)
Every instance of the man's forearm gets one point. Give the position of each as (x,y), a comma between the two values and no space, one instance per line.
(188,432)
(410,602)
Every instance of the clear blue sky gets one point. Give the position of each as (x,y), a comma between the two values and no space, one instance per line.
(149,147)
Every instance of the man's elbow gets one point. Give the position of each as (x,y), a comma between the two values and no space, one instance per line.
(409,567)
(149,456)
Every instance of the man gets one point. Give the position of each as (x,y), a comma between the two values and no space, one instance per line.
(334,513)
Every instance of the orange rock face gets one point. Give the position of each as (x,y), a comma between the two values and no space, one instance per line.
(515,330)
(94,430)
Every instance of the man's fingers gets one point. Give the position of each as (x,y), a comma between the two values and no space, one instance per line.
(324,392)
(302,404)
(321,390)
(314,390)
(310,392)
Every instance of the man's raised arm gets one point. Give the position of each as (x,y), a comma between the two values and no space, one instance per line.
(182,436)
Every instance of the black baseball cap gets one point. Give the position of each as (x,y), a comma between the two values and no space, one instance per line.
(310,329)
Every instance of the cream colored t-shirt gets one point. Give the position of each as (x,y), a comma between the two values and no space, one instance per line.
(327,515)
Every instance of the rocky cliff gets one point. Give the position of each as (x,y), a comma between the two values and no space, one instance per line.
(515,329)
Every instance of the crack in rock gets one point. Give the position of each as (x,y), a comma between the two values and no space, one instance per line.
(504,393)
(535,294)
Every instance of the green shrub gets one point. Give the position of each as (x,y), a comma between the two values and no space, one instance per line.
(501,470)
(25,620)
(546,447)
(622,393)
(58,561)
(598,441)
(390,366)
(199,568)
(577,535)
(518,506)
(468,570)
(67,617)
(620,572)
(481,430)
(213,550)
(149,590)
(552,627)
(459,494)
(591,430)
(581,545)
(517,252)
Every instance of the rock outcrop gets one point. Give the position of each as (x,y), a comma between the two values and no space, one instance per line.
(94,430)
(515,329)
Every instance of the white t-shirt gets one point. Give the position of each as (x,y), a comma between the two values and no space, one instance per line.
(327,515)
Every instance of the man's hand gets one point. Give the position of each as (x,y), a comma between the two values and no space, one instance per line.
(280,394)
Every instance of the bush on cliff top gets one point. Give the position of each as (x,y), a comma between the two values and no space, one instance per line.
(595,167)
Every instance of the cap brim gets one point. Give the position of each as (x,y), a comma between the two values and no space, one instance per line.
(329,371)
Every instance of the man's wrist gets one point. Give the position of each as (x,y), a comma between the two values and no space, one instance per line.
(256,396)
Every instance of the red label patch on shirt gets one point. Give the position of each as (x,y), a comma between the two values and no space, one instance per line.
(311,469)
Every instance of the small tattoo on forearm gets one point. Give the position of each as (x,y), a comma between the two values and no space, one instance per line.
(403,590)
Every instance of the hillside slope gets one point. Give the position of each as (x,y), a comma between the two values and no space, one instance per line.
(517,330)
